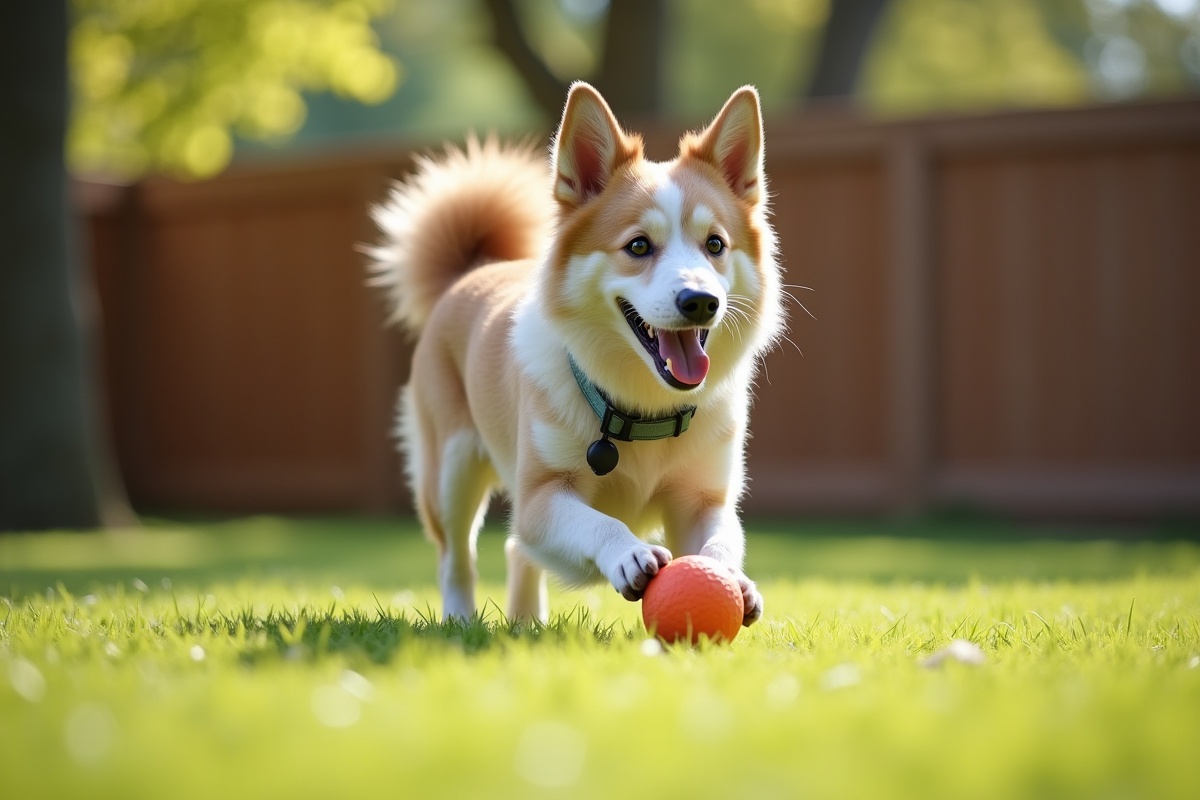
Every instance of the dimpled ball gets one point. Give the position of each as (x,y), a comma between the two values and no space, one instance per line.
(693,595)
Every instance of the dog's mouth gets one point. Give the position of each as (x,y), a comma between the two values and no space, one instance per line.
(678,355)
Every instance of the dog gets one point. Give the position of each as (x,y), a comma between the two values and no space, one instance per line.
(587,340)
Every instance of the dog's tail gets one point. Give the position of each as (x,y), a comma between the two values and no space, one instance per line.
(456,212)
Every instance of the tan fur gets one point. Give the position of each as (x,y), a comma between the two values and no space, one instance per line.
(465,208)
(492,403)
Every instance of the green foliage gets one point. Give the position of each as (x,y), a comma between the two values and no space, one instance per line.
(172,85)
(972,54)
(219,683)
(954,53)
(165,84)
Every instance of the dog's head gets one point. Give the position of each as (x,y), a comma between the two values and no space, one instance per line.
(662,278)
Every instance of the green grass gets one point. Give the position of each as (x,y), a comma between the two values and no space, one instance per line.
(298,658)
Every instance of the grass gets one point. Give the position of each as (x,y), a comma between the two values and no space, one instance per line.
(302,658)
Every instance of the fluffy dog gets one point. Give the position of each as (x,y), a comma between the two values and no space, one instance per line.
(587,342)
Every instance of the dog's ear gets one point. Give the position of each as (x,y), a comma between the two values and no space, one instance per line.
(588,148)
(733,143)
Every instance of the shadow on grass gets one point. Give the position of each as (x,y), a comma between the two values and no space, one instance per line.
(378,634)
(389,555)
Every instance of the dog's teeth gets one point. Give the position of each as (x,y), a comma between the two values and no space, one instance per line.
(650,330)
(669,367)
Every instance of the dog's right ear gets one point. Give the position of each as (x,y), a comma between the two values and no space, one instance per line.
(588,147)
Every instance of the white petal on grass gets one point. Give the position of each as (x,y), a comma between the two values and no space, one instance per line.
(841,677)
(783,690)
(27,680)
(357,685)
(111,650)
(651,647)
(338,594)
(90,733)
(550,754)
(706,716)
(1194,663)
(626,690)
(496,697)
(959,650)
(197,653)
(141,586)
(334,706)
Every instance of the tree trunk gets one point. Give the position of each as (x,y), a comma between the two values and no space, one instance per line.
(547,90)
(631,70)
(49,458)
(631,66)
(843,46)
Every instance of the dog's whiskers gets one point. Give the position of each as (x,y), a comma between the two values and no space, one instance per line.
(785,338)
(792,297)
(739,312)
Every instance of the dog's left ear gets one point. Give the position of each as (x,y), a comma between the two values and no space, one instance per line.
(733,143)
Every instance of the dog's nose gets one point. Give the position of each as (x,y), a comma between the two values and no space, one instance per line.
(698,307)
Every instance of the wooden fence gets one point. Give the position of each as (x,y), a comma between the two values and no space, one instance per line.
(1006,316)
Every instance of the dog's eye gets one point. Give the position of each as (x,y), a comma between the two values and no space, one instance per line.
(639,247)
(715,245)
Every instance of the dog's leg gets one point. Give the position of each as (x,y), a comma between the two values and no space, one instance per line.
(581,544)
(465,479)
(715,531)
(526,585)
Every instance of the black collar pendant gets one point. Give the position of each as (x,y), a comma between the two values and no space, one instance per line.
(602,454)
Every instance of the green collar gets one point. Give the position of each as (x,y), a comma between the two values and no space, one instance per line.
(602,454)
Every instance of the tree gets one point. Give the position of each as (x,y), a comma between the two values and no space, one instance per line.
(843,45)
(158,85)
(50,459)
(632,56)
(631,66)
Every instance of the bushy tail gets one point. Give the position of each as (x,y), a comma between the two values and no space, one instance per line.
(455,212)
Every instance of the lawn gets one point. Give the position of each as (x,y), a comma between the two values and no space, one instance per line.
(289,658)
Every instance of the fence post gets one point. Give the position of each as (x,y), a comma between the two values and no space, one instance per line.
(911,304)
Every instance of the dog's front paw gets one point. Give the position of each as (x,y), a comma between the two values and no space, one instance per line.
(752,601)
(635,567)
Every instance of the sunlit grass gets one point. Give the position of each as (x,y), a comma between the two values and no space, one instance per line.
(285,659)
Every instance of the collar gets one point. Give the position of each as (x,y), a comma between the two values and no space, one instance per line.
(626,427)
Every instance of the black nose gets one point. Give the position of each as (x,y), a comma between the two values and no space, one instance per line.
(698,307)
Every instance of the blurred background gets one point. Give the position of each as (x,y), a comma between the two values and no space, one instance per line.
(988,208)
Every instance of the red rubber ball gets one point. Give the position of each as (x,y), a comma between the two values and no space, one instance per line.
(693,595)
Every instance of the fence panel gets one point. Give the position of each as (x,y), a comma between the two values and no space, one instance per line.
(1003,317)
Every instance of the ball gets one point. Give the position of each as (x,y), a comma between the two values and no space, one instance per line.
(690,596)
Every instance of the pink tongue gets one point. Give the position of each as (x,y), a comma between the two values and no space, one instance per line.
(685,358)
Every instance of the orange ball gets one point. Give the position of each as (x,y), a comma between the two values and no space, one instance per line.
(690,596)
